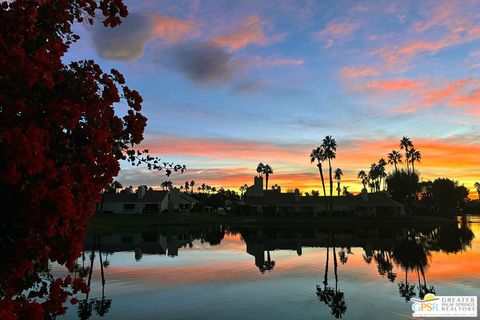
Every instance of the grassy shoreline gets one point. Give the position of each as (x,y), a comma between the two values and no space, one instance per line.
(113,222)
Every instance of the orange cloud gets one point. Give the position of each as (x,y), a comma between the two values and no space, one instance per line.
(463,93)
(248,32)
(455,157)
(173,30)
(393,85)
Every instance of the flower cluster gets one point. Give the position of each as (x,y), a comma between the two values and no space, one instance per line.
(61,143)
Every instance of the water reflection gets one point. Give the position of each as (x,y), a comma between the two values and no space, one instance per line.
(398,255)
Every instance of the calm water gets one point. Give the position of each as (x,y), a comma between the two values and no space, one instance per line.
(219,272)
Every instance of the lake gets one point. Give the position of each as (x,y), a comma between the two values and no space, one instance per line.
(297,272)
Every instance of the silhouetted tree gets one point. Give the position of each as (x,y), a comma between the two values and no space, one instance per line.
(318,154)
(447,194)
(403,186)
(192,184)
(330,147)
(414,156)
(477,187)
(395,158)
(267,171)
(406,143)
(363,177)
(260,169)
(338,178)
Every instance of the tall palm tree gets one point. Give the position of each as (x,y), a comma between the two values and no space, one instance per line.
(260,169)
(192,183)
(415,156)
(338,178)
(363,177)
(477,186)
(267,171)
(394,158)
(330,148)
(373,176)
(382,173)
(318,155)
(406,143)
(187,186)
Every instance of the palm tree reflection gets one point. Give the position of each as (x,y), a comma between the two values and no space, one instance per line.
(332,297)
(101,306)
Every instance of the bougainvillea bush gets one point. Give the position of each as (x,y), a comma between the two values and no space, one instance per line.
(60,143)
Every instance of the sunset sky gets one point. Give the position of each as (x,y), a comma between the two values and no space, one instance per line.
(227,84)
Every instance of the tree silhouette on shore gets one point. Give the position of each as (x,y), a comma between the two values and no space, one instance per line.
(395,158)
(338,178)
(406,144)
(414,156)
(330,149)
(318,154)
(363,177)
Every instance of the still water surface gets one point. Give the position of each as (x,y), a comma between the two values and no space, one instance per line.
(220,272)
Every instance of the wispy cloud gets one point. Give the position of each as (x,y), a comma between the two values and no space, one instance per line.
(393,85)
(335,30)
(358,72)
(248,32)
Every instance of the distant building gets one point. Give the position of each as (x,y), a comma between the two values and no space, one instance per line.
(378,204)
(147,201)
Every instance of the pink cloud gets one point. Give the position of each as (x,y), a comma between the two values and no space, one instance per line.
(358,72)
(393,85)
(173,30)
(455,21)
(337,28)
(463,94)
(248,32)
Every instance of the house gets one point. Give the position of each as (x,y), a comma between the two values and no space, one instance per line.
(147,201)
(274,202)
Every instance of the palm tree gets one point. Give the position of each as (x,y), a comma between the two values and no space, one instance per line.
(394,158)
(363,177)
(382,173)
(330,146)
(414,155)
(260,169)
(406,143)
(267,171)
(192,183)
(373,176)
(338,178)
(187,186)
(318,155)
(477,186)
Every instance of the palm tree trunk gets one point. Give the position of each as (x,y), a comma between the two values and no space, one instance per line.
(335,264)
(395,165)
(338,188)
(323,185)
(331,184)
(266,181)
(92,258)
(101,266)
(413,166)
(325,277)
